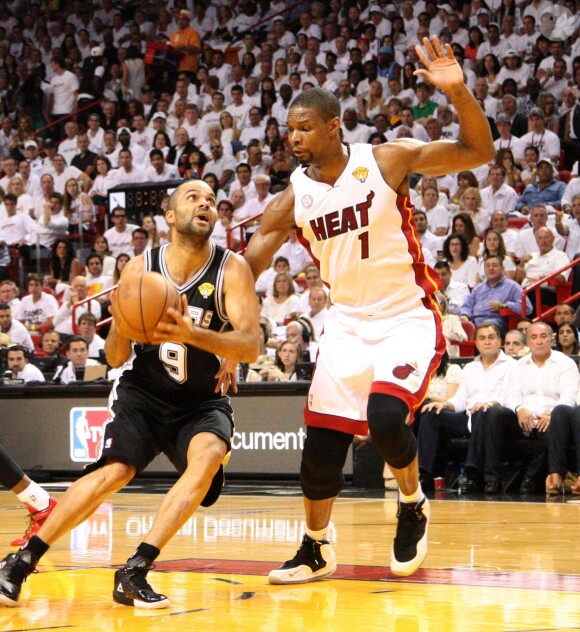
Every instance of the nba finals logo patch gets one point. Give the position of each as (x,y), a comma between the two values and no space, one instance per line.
(87,428)
(206,290)
(402,371)
(361,174)
(306,201)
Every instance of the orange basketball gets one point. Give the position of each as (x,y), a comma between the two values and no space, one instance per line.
(141,301)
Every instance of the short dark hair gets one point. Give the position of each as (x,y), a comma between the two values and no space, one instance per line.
(77,339)
(156,152)
(325,102)
(88,316)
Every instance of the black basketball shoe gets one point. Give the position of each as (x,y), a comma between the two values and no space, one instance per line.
(14,569)
(132,587)
(410,545)
(313,560)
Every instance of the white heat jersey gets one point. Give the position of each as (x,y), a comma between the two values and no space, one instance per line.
(363,238)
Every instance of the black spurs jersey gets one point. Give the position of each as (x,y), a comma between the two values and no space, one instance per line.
(178,373)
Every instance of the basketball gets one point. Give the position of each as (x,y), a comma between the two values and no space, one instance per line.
(141,301)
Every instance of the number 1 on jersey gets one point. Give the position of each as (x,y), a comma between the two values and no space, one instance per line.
(364,245)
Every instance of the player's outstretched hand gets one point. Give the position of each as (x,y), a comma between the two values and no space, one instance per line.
(226,377)
(179,327)
(441,68)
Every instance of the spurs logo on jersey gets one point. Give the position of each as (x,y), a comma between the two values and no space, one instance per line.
(339,222)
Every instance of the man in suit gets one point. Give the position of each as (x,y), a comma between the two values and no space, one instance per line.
(570,134)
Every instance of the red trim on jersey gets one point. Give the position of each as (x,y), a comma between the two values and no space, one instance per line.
(333,422)
(426,278)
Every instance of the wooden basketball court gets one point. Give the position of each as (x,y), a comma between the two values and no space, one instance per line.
(492,566)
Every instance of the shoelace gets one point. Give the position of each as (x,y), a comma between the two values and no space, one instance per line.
(408,517)
(139,576)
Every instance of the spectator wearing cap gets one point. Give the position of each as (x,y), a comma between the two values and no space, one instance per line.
(506,139)
(514,68)
(378,19)
(449,129)
(546,190)
(188,42)
(518,122)
(546,141)
(34,160)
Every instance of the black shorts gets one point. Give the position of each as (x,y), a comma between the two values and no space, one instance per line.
(143,426)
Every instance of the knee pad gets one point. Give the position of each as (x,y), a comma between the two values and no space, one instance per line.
(387,416)
(323,459)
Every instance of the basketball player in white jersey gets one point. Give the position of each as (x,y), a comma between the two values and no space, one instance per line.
(382,337)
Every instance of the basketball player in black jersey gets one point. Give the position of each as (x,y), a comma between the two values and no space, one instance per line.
(170,397)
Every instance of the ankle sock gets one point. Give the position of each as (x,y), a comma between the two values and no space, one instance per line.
(36,546)
(35,497)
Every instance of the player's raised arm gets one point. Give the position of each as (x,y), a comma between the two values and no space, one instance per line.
(277,222)
(474,145)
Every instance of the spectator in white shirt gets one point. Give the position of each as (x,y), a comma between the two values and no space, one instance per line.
(127,173)
(498,196)
(78,355)
(52,224)
(19,364)
(353,131)
(87,325)
(159,170)
(119,237)
(13,328)
(296,254)
(62,173)
(317,309)
(537,383)
(63,321)
(37,309)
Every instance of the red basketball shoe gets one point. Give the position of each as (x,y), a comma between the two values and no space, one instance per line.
(35,520)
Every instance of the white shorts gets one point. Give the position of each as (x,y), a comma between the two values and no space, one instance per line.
(395,356)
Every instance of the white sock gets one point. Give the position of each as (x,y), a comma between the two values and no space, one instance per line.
(415,497)
(316,535)
(35,496)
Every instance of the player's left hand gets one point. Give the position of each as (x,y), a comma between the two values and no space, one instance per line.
(179,328)
(226,377)
(441,68)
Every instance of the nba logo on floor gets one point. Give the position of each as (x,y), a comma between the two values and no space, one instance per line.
(87,427)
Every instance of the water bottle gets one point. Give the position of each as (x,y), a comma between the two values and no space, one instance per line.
(462,480)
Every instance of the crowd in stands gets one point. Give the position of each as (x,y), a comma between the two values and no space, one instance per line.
(102,94)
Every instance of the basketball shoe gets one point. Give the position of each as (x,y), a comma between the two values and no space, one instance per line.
(313,560)
(35,520)
(410,545)
(132,587)
(14,569)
